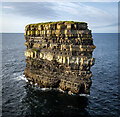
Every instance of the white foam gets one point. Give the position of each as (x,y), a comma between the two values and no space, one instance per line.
(21,77)
(86,95)
(47,89)
(61,90)
(35,84)
(44,89)
(70,93)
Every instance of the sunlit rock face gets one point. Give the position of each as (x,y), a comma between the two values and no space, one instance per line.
(59,55)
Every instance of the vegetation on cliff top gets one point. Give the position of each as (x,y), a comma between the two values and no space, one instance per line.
(58,22)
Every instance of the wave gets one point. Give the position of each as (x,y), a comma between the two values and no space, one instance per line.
(21,77)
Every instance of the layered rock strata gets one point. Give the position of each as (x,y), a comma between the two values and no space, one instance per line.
(59,55)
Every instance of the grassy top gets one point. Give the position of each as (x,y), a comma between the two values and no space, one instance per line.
(58,22)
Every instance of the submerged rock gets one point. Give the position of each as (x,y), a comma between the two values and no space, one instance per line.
(59,55)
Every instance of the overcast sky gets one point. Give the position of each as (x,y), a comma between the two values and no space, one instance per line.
(102,17)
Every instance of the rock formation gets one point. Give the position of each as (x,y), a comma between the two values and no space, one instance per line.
(59,55)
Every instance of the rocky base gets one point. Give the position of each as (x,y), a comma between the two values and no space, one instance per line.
(47,75)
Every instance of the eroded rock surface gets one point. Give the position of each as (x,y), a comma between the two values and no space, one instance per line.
(59,55)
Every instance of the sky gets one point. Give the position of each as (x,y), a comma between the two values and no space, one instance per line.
(102,17)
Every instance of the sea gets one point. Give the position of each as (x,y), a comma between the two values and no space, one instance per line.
(20,99)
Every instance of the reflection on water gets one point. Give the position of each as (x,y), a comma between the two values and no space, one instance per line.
(53,103)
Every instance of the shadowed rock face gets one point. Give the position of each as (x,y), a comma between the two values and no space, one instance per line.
(59,55)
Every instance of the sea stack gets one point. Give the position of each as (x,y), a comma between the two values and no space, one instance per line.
(59,55)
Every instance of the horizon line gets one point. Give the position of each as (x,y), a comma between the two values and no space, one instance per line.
(92,32)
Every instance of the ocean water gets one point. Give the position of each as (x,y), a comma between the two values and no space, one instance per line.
(19,99)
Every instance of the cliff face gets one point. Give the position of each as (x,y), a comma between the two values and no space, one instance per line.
(59,54)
